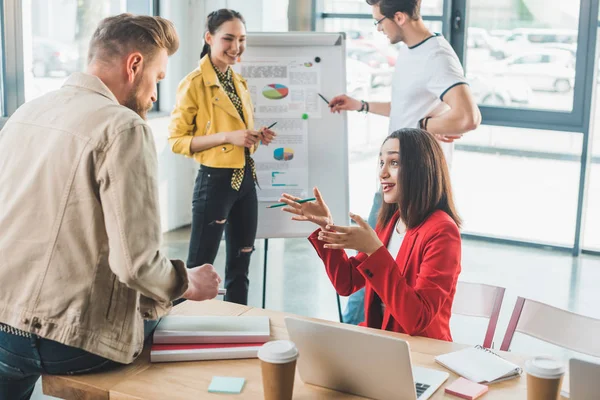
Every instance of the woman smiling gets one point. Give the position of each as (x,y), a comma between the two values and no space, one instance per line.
(410,264)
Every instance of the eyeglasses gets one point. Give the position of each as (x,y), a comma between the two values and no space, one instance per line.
(378,21)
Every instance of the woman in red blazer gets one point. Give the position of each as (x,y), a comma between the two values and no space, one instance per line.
(410,264)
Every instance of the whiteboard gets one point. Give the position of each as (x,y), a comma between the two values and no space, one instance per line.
(327,135)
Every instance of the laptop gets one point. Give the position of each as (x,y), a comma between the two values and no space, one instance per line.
(584,380)
(361,363)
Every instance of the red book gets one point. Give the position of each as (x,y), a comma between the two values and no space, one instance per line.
(204,351)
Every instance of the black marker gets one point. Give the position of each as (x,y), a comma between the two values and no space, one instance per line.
(324,99)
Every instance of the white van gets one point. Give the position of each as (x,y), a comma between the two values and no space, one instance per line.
(523,39)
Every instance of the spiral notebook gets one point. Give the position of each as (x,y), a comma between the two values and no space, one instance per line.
(479,365)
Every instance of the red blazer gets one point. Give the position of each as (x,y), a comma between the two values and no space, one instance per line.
(417,287)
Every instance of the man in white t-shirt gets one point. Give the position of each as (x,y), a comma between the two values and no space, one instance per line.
(429,90)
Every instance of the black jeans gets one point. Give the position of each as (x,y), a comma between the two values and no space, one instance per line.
(24,359)
(217,207)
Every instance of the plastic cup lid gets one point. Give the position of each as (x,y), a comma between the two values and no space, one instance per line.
(278,352)
(545,367)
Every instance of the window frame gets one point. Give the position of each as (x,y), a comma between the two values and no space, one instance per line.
(12,73)
(566,121)
(13,76)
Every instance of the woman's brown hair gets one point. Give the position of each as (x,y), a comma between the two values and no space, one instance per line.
(214,21)
(423,180)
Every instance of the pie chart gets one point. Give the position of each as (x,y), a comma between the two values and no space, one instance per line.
(275,91)
(283,154)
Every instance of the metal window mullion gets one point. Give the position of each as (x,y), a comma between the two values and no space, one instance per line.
(458,37)
(14,72)
(588,23)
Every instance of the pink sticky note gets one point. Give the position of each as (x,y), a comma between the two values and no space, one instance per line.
(466,389)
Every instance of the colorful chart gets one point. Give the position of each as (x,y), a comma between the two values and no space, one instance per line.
(275,91)
(283,154)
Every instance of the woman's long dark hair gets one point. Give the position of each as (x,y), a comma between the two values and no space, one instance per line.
(423,180)
(214,21)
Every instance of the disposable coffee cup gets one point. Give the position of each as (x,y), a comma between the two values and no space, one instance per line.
(278,366)
(544,378)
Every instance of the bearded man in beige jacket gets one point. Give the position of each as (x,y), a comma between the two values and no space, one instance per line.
(80,259)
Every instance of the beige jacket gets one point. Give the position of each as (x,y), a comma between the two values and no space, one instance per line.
(79,222)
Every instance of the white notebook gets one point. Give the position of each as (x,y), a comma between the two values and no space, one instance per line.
(208,329)
(479,365)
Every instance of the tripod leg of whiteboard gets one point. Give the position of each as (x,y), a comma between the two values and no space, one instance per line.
(264,299)
(339,307)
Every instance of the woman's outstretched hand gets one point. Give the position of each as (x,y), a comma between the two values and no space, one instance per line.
(314,211)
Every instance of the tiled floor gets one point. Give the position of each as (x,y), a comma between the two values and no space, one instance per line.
(297,283)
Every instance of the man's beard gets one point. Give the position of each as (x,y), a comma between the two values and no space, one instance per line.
(133,103)
(397,37)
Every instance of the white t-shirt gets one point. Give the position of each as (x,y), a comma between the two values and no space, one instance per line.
(395,242)
(422,76)
(394,246)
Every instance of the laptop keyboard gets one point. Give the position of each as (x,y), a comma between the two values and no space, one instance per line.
(421,388)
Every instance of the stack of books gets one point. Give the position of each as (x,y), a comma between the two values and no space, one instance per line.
(196,338)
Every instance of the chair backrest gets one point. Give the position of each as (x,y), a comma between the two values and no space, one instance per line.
(479,300)
(554,325)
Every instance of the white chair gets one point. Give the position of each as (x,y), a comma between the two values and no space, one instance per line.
(554,325)
(479,300)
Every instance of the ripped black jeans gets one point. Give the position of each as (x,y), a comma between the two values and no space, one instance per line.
(216,206)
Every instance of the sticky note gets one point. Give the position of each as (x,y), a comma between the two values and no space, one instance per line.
(304,116)
(465,389)
(225,384)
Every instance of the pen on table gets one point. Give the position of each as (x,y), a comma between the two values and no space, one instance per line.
(298,201)
(324,99)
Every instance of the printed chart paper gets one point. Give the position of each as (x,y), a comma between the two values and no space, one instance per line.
(283,87)
(282,167)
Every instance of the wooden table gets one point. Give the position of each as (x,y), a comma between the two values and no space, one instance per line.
(190,380)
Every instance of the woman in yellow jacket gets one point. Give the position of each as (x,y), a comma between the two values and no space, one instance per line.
(213,122)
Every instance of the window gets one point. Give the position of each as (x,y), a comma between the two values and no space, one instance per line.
(531,62)
(507,30)
(56,37)
(591,234)
(518,184)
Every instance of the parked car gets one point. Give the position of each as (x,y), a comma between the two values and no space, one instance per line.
(380,69)
(50,57)
(478,38)
(373,52)
(495,91)
(544,69)
(523,39)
